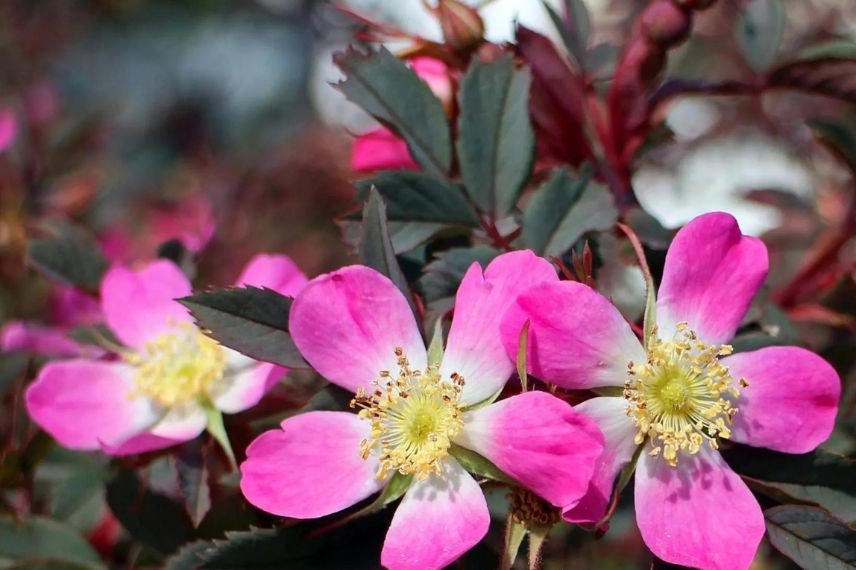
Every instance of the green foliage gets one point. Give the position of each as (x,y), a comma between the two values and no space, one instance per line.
(376,246)
(443,275)
(496,143)
(149,517)
(69,257)
(811,538)
(759,32)
(192,471)
(250,320)
(819,477)
(44,539)
(416,197)
(563,209)
(384,86)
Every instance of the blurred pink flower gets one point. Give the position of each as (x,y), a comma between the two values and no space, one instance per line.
(151,397)
(8,128)
(682,393)
(381,149)
(190,220)
(354,325)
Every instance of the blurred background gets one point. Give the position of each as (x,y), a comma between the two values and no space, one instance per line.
(212,127)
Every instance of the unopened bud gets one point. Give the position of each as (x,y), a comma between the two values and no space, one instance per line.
(462,26)
(666,24)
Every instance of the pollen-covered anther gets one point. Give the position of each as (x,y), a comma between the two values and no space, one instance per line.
(682,396)
(177,367)
(414,415)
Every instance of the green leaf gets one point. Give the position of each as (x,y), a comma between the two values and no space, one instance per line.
(417,197)
(389,90)
(811,538)
(496,142)
(478,464)
(759,32)
(443,275)
(250,320)
(563,209)
(819,477)
(376,246)
(435,348)
(843,49)
(40,537)
(515,532)
(49,564)
(523,340)
(573,27)
(70,257)
(193,480)
(839,137)
(149,517)
(214,426)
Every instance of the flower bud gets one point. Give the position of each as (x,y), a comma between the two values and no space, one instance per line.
(462,26)
(666,24)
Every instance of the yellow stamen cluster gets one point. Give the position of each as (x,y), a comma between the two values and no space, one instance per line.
(178,367)
(413,416)
(682,396)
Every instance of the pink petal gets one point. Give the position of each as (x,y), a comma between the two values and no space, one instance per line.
(82,403)
(347,324)
(435,73)
(540,441)
(181,422)
(712,272)
(244,383)
(438,520)
(140,305)
(698,514)
(380,149)
(474,348)
(618,432)
(142,443)
(577,338)
(310,468)
(8,128)
(277,272)
(791,401)
(45,341)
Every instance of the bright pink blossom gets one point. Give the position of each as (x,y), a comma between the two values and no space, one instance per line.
(156,393)
(381,149)
(8,128)
(682,393)
(356,328)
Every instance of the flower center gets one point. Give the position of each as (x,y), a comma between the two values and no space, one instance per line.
(178,367)
(682,396)
(413,416)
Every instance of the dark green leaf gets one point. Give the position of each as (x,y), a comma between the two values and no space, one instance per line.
(496,143)
(443,275)
(352,546)
(573,27)
(250,320)
(759,32)
(49,564)
(149,517)
(811,538)
(376,247)
(839,137)
(193,480)
(416,197)
(477,464)
(189,557)
(405,236)
(39,537)
(842,49)
(821,478)
(386,88)
(69,257)
(563,209)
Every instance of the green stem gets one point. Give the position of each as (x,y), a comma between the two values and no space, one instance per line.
(218,431)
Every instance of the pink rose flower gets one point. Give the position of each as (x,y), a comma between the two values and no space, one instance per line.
(156,393)
(8,128)
(381,149)
(682,394)
(356,329)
